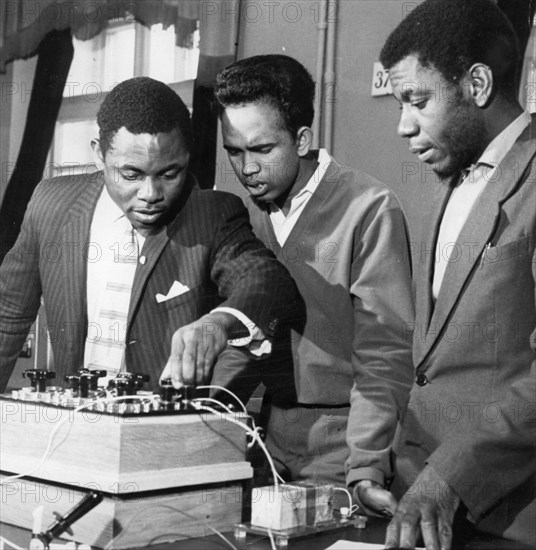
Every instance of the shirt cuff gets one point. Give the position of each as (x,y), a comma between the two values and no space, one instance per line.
(368,472)
(257,342)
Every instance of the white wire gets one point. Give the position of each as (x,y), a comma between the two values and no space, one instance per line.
(202,399)
(254,434)
(277,477)
(238,400)
(351,507)
(272,541)
(3,541)
(201,521)
(222,536)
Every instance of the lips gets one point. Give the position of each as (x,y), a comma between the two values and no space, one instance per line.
(256,188)
(424,153)
(148,214)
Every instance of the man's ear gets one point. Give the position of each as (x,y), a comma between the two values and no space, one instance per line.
(481,84)
(304,140)
(97,152)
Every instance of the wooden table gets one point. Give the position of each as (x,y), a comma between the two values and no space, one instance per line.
(373,533)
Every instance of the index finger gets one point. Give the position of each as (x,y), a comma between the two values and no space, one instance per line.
(188,359)
(174,365)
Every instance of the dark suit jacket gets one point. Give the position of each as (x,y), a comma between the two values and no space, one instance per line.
(208,246)
(473,416)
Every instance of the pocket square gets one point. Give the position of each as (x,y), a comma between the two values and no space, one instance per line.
(176,290)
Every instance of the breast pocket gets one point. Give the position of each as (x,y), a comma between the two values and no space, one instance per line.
(508,255)
(508,267)
(189,300)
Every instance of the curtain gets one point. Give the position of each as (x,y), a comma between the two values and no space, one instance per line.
(26,25)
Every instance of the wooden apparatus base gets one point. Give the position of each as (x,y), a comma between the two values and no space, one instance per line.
(164,476)
(138,520)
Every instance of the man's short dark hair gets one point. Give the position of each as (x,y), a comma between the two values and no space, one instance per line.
(452,35)
(143,106)
(277,80)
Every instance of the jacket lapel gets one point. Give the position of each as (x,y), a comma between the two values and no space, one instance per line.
(153,249)
(424,271)
(321,194)
(76,232)
(477,232)
(264,230)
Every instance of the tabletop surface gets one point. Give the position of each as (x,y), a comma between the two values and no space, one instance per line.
(374,532)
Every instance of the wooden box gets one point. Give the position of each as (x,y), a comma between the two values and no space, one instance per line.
(164,476)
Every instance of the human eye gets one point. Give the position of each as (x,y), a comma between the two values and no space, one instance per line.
(419,103)
(170,176)
(232,152)
(130,176)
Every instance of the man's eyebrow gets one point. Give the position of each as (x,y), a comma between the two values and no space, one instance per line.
(253,147)
(411,92)
(130,166)
(173,166)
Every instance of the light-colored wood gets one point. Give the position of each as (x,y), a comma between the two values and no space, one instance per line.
(164,477)
(120,522)
(150,452)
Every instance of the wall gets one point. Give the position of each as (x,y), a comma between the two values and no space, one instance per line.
(364,126)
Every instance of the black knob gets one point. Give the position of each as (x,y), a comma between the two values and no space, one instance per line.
(135,378)
(73,381)
(92,377)
(123,386)
(38,378)
(167,391)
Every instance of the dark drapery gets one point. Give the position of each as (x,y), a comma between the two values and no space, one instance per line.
(55,54)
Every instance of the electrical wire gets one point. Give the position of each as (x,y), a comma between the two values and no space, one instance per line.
(211,400)
(352,508)
(254,434)
(3,541)
(215,387)
(277,478)
(272,541)
(111,544)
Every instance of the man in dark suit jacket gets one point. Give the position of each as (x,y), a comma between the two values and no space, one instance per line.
(201,278)
(468,439)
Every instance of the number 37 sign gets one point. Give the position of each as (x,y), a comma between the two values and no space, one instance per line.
(380,80)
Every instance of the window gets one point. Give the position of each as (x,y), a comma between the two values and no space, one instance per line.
(125,49)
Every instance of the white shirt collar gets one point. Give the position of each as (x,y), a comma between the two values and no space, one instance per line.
(108,211)
(324,159)
(497,149)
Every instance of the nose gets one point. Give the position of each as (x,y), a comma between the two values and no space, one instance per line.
(250,167)
(149,190)
(407,126)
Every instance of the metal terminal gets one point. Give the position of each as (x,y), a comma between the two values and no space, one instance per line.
(185,396)
(135,380)
(38,378)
